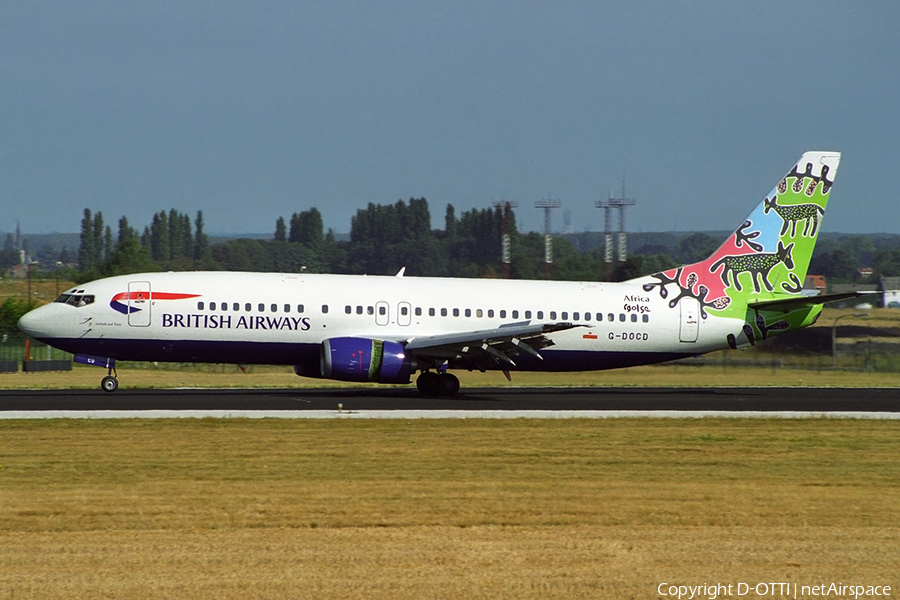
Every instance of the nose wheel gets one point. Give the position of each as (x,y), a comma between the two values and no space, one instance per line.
(110,383)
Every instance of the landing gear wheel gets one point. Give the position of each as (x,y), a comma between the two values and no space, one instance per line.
(109,384)
(425,383)
(446,385)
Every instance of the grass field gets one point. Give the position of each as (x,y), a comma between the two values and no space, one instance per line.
(442,509)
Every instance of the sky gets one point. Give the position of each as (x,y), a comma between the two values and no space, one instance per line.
(253,110)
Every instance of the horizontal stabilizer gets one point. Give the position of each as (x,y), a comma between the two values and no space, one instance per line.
(800,301)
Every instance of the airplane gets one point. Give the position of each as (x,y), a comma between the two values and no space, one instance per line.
(385,329)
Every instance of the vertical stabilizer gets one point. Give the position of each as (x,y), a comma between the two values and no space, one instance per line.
(768,254)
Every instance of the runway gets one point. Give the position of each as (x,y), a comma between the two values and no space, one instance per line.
(478,402)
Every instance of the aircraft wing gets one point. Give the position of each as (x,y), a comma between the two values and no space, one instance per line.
(500,344)
(800,301)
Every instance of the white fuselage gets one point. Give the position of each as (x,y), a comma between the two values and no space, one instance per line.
(284,318)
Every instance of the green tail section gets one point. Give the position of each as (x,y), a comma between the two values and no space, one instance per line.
(765,259)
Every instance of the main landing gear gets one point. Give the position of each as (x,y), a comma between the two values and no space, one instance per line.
(110,383)
(443,384)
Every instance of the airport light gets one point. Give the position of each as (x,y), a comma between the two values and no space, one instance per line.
(834,336)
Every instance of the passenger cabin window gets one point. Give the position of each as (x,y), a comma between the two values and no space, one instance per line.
(553,315)
(236,306)
(468,312)
(273,307)
(261,307)
(455,312)
(565,315)
(515,314)
(479,313)
(348,309)
(622,317)
(382,310)
(633,318)
(212,306)
(224,306)
(359,310)
(299,308)
(502,314)
(587,316)
(645,318)
(199,306)
(287,308)
(443,312)
(404,310)
(324,309)
(490,313)
(610,317)
(418,311)
(370,310)
(248,307)
(540,314)
(527,314)
(576,316)
(430,312)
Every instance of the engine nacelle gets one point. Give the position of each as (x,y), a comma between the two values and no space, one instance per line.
(363,359)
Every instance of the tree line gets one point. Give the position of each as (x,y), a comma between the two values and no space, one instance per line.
(386,237)
(383,239)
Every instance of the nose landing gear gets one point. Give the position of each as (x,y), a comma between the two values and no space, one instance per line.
(110,383)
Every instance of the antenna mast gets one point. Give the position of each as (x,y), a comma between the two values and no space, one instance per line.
(548,205)
(608,206)
(507,206)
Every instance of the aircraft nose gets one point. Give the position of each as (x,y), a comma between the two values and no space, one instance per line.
(31,323)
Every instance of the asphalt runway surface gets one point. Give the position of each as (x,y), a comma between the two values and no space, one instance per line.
(473,400)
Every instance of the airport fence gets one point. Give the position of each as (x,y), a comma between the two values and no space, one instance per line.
(13,349)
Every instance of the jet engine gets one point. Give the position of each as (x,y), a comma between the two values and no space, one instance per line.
(363,359)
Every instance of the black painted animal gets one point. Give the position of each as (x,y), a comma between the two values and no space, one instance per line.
(759,265)
(797,212)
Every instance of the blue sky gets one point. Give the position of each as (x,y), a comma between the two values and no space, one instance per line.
(254,110)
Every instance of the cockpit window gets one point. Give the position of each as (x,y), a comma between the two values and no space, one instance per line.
(76,300)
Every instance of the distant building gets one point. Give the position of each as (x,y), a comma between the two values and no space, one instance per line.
(18,271)
(865,272)
(815,282)
(890,292)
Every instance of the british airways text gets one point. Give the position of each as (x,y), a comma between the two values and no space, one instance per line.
(231,322)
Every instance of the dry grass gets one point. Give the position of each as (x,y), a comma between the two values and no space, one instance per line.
(445,509)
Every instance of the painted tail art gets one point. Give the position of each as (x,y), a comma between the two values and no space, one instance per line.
(766,258)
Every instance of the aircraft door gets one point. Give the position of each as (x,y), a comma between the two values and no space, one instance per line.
(139,303)
(404,314)
(382,313)
(690,319)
